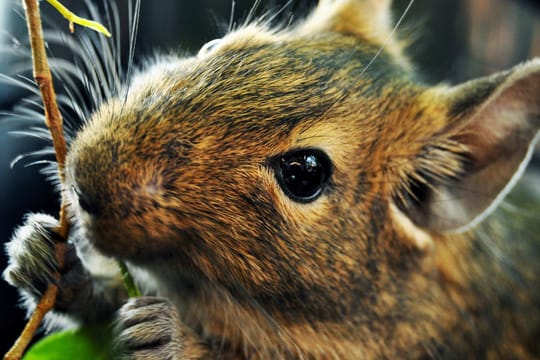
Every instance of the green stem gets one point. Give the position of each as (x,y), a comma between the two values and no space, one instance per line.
(131,287)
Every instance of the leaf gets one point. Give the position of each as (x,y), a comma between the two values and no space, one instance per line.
(86,343)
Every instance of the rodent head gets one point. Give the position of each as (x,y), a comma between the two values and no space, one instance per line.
(186,164)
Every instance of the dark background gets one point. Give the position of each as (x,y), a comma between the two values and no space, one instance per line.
(455,40)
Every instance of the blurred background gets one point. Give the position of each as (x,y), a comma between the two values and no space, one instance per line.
(454,40)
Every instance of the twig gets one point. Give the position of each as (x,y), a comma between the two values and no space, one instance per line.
(53,119)
(43,307)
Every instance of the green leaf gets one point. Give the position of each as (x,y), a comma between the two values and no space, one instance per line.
(87,343)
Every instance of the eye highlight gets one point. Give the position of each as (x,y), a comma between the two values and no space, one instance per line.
(303,174)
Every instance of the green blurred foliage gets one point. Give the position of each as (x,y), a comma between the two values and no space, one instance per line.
(87,343)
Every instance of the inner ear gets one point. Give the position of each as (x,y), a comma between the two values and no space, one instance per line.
(493,124)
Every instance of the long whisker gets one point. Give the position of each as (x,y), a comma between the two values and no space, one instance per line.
(231,17)
(251,15)
(134,28)
(275,14)
(389,37)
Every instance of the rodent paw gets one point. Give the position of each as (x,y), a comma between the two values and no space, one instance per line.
(31,255)
(148,328)
(32,260)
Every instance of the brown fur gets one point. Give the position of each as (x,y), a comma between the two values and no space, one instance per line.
(176,178)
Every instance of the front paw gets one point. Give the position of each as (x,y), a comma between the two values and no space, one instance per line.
(149,328)
(31,254)
(33,264)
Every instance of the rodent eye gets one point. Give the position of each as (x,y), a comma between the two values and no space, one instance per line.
(303,174)
(209,46)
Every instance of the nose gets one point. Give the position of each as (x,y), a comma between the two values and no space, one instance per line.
(86,203)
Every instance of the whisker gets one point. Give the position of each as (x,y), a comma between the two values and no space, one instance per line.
(277,13)
(134,28)
(41,162)
(387,41)
(107,63)
(38,153)
(38,133)
(389,38)
(84,78)
(231,17)
(114,48)
(20,83)
(251,15)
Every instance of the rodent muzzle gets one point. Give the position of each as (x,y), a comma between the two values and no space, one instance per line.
(113,206)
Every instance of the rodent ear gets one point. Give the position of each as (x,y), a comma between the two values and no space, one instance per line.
(351,17)
(369,20)
(493,124)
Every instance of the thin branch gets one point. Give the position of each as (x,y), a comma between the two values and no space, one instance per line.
(53,119)
(43,307)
